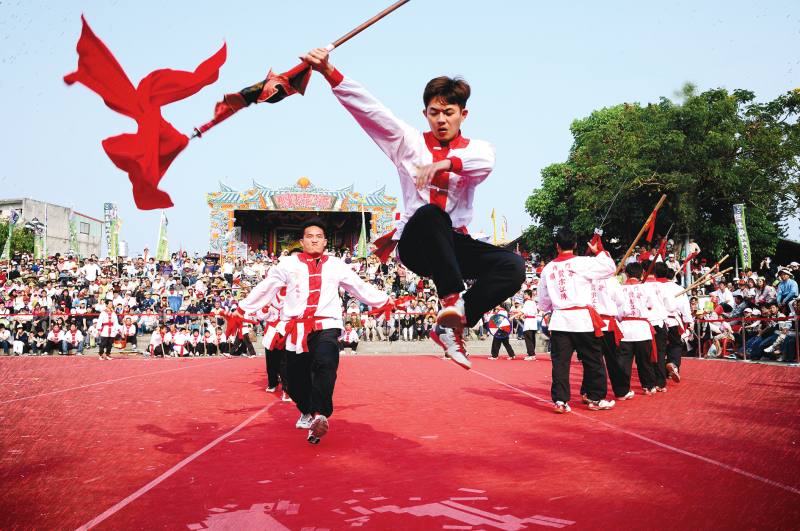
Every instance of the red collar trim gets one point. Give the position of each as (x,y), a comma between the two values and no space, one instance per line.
(308,258)
(632,281)
(662,280)
(651,279)
(563,257)
(459,142)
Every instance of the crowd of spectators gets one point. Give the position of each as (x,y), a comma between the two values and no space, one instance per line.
(53,306)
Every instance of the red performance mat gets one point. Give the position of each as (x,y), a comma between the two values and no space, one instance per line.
(415,443)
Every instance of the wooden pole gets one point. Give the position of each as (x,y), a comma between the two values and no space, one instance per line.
(641,232)
(702,279)
(361,27)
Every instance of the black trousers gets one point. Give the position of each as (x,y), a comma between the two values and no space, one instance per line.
(496,342)
(620,384)
(430,247)
(313,374)
(589,348)
(353,345)
(640,351)
(530,342)
(206,349)
(105,344)
(660,366)
(244,345)
(676,348)
(276,368)
(53,345)
(161,350)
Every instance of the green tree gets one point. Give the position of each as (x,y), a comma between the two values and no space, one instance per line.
(711,151)
(21,239)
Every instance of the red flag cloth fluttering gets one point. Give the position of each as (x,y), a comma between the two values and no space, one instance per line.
(652,230)
(662,249)
(597,241)
(147,154)
(271,89)
(688,259)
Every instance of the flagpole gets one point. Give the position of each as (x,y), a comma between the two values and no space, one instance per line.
(494,228)
(641,232)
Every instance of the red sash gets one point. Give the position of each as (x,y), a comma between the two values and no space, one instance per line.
(597,321)
(653,347)
(613,326)
(310,324)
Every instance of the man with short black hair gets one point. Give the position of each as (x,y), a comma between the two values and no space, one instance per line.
(314,309)
(575,325)
(439,171)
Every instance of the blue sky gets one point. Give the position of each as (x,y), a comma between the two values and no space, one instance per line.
(534,67)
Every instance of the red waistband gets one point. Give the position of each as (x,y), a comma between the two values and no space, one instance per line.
(597,321)
(653,346)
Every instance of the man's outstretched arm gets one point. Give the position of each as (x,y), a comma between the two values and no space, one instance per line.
(385,129)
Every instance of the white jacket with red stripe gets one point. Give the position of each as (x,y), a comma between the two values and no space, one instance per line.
(312,289)
(472,160)
(566,283)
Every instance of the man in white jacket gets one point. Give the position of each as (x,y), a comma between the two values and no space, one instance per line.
(439,171)
(575,325)
(313,308)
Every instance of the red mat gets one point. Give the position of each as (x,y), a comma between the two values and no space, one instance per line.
(415,443)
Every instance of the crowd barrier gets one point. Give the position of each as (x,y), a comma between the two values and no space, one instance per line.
(740,331)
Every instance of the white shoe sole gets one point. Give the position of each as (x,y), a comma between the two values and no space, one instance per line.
(461,360)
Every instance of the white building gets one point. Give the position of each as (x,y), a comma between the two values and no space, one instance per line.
(56,222)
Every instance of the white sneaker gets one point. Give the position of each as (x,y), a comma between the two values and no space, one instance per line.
(672,372)
(561,407)
(597,405)
(629,395)
(529,358)
(453,345)
(452,313)
(304,422)
(319,427)
(270,389)
(285,398)
(768,350)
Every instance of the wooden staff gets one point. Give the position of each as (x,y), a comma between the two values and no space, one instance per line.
(703,279)
(638,236)
(343,39)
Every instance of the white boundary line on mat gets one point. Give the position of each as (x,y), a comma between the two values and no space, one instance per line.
(665,446)
(104,382)
(160,479)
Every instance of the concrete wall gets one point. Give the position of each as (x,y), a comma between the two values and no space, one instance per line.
(57,218)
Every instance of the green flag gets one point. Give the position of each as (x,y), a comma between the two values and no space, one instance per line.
(741,233)
(73,233)
(162,246)
(113,248)
(12,221)
(362,251)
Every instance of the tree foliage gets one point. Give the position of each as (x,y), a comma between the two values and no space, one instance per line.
(711,151)
(21,239)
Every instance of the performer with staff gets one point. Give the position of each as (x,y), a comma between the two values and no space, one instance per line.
(565,290)
(439,171)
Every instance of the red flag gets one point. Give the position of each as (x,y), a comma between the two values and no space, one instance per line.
(272,89)
(688,259)
(597,241)
(662,249)
(147,154)
(652,230)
